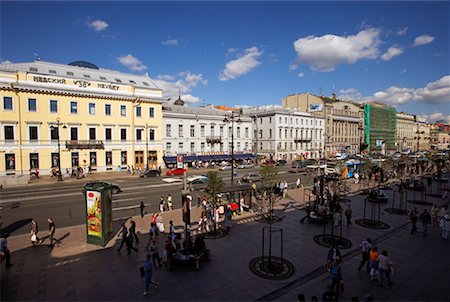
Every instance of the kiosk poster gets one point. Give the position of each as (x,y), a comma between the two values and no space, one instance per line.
(94,213)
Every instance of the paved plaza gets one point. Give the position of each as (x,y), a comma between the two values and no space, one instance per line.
(74,270)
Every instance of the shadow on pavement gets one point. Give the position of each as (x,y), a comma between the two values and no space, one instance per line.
(15,226)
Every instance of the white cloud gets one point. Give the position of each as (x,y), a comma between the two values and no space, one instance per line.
(324,53)
(182,83)
(231,50)
(131,63)
(268,107)
(401,32)
(392,52)
(403,71)
(423,39)
(292,67)
(352,94)
(5,62)
(170,42)
(436,116)
(241,65)
(97,25)
(300,75)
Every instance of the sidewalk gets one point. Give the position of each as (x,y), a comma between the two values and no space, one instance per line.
(74,270)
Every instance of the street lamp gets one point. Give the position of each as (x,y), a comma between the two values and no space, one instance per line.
(255,119)
(231,118)
(58,123)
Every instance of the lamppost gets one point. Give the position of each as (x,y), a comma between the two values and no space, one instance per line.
(255,119)
(146,146)
(231,118)
(58,123)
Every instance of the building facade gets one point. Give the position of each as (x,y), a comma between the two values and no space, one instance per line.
(380,127)
(287,133)
(439,140)
(422,135)
(344,128)
(405,131)
(203,131)
(100,118)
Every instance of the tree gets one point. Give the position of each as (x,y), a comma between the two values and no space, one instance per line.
(214,186)
(269,181)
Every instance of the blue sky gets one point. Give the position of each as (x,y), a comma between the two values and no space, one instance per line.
(250,53)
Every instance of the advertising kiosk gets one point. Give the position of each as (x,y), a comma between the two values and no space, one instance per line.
(98,205)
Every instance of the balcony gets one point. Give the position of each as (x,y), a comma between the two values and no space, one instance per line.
(213,139)
(84,144)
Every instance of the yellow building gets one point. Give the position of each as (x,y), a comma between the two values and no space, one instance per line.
(100,118)
(405,131)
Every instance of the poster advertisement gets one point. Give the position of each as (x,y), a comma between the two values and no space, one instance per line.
(180,163)
(94,213)
(315,107)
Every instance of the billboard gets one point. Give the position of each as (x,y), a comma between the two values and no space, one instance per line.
(180,161)
(94,213)
(379,142)
(315,107)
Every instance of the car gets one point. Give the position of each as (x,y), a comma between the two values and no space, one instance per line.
(246,166)
(197,177)
(198,184)
(280,162)
(226,168)
(150,173)
(176,171)
(251,177)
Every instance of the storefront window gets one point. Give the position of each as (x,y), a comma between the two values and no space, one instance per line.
(34,160)
(93,159)
(75,159)
(123,157)
(10,161)
(108,158)
(55,159)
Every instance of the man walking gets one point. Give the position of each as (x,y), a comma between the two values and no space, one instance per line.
(51,231)
(348,215)
(169,202)
(123,233)
(413,217)
(365,246)
(148,274)
(425,218)
(4,250)
(142,206)
(133,229)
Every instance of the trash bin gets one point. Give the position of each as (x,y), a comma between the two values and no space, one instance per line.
(98,204)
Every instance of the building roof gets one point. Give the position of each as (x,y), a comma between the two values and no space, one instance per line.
(81,70)
(195,110)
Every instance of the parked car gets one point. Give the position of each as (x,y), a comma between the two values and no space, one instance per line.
(150,173)
(251,177)
(198,184)
(226,168)
(246,166)
(298,166)
(176,171)
(280,162)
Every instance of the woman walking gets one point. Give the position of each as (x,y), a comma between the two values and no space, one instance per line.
(148,274)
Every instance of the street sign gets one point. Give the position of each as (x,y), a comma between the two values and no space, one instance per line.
(180,161)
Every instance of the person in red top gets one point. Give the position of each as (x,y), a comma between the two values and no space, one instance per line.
(374,263)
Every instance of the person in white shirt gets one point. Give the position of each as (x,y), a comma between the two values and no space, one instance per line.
(297,183)
(384,268)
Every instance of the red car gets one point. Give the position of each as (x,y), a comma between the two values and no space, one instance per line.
(177,171)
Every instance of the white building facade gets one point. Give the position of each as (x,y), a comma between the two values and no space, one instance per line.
(194,131)
(287,133)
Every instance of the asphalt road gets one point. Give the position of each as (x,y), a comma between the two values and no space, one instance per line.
(65,203)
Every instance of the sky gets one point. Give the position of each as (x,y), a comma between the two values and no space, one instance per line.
(250,53)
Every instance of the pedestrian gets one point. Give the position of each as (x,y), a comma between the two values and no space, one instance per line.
(365,246)
(413,217)
(285,188)
(169,250)
(443,211)
(228,218)
(434,215)
(132,229)
(129,243)
(199,200)
(298,183)
(148,274)
(348,214)
(169,202)
(333,253)
(373,256)
(444,223)
(142,206)
(155,214)
(34,230)
(336,276)
(51,231)
(161,204)
(160,224)
(356,176)
(425,218)
(4,250)
(123,233)
(281,186)
(384,268)
(154,250)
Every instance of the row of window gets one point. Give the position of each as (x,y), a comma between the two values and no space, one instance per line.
(33,133)
(10,160)
(308,134)
(192,131)
(53,105)
(203,147)
(310,121)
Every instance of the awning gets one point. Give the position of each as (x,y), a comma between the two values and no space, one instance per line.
(170,160)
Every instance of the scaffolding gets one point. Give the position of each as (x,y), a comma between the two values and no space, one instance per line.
(380,126)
